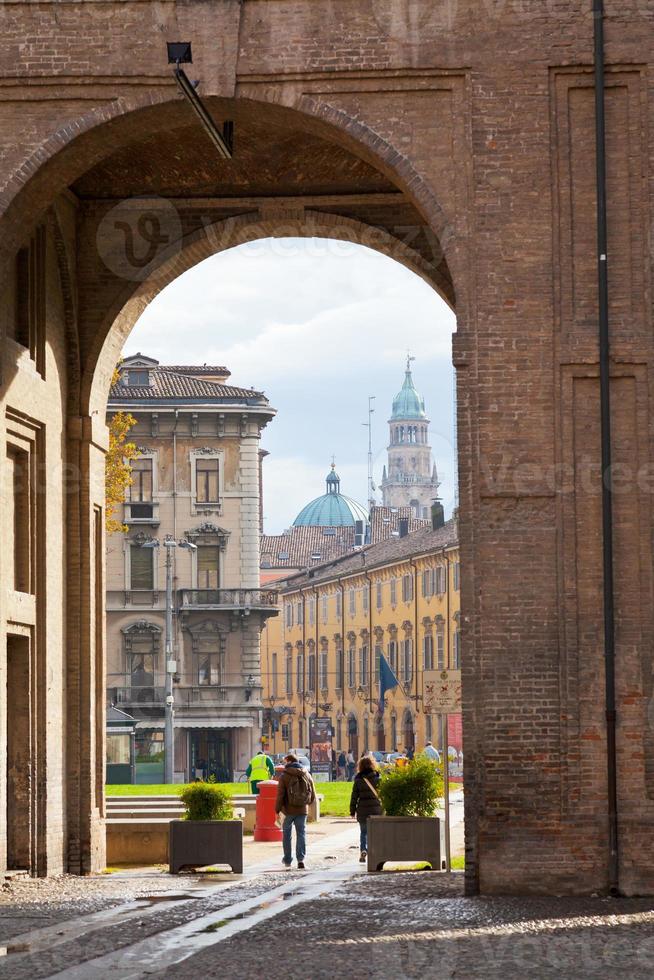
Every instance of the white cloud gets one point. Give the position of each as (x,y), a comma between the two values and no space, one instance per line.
(318,326)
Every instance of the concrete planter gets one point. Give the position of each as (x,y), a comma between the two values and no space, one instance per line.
(403,839)
(196,843)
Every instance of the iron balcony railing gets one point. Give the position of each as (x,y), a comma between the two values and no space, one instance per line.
(138,696)
(228,599)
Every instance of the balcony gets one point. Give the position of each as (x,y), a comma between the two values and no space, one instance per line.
(141,512)
(144,701)
(260,600)
(145,598)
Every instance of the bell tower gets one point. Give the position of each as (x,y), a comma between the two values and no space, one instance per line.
(411,479)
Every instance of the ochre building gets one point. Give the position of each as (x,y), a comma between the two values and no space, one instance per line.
(321,656)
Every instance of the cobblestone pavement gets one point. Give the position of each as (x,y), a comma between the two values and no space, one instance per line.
(349,923)
(419,925)
(48,924)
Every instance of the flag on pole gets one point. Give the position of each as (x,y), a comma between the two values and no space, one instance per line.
(387,680)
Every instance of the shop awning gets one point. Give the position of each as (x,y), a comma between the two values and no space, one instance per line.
(199,723)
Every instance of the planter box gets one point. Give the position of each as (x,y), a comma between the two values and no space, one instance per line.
(403,839)
(197,843)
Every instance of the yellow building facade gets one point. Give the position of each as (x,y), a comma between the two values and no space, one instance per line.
(321,655)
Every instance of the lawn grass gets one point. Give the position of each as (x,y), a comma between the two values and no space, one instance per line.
(335,804)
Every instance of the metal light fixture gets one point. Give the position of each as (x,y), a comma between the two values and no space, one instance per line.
(179,52)
(171,665)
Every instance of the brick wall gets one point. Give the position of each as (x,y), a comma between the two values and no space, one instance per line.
(478,113)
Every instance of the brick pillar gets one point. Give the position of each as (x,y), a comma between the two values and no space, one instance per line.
(84,666)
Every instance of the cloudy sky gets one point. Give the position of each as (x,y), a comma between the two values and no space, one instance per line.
(318,326)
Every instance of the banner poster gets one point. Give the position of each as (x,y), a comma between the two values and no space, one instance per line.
(320,742)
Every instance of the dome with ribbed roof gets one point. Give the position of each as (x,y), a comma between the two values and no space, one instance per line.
(333,509)
(408,403)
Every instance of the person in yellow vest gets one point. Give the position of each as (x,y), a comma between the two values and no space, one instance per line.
(260,767)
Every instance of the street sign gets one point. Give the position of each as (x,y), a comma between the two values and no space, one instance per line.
(441,691)
(320,741)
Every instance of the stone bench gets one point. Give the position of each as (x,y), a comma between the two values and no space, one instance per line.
(144,840)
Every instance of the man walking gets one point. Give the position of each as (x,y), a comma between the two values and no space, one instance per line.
(431,752)
(260,767)
(295,794)
(351,766)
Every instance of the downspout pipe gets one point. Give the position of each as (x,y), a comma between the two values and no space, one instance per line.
(371,655)
(416,696)
(605,415)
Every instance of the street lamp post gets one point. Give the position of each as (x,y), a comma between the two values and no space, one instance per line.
(171,669)
(171,665)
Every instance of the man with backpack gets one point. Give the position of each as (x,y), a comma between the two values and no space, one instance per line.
(295,794)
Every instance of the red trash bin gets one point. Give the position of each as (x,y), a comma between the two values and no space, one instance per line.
(265,828)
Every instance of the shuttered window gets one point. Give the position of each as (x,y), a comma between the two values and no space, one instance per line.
(141,488)
(428,652)
(206,481)
(141,562)
(208,566)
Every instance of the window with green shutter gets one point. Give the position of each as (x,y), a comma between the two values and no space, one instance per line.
(141,567)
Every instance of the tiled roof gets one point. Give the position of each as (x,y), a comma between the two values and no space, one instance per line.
(301,542)
(199,369)
(169,382)
(386,520)
(373,555)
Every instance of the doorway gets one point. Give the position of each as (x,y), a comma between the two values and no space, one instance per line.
(408,732)
(353,735)
(19,754)
(210,755)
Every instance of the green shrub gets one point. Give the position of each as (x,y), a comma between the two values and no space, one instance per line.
(412,790)
(206,801)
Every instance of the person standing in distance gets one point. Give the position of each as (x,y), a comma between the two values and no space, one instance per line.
(260,767)
(364,800)
(295,794)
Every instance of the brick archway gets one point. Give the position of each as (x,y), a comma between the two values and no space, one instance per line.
(479,132)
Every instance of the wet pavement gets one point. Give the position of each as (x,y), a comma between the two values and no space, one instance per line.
(333,919)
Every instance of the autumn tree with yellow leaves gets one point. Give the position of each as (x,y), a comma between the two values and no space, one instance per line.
(118,471)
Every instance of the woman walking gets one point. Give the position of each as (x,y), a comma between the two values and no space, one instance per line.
(364,801)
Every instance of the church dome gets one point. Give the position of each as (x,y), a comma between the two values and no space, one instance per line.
(408,404)
(333,509)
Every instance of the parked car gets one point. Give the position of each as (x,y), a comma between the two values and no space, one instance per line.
(379,757)
(278,759)
(303,757)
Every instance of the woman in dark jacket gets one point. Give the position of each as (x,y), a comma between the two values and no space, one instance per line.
(365,801)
